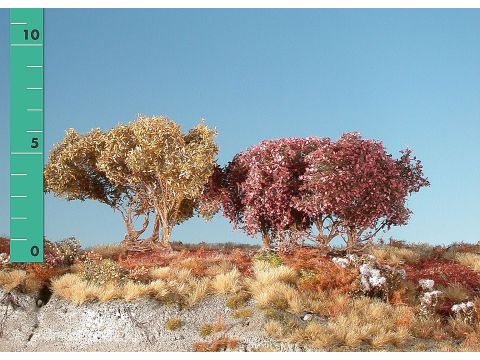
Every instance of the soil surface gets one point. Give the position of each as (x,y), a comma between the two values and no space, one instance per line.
(124,326)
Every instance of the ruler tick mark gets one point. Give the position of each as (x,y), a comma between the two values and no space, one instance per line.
(37,45)
(34,66)
(18,196)
(34,110)
(18,239)
(26,153)
(18,218)
(18,174)
(34,88)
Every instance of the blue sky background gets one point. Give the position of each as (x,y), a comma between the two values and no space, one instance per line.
(407,77)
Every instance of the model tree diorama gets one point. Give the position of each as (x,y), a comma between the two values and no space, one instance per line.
(287,190)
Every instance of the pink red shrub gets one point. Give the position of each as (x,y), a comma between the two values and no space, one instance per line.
(282,188)
(359,187)
(260,188)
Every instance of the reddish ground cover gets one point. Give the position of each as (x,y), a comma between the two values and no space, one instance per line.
(4,245)
(443,272)
(194,257)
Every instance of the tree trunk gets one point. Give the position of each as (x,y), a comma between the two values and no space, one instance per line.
(156,228)
(265,240)
(166,232)
(351,240)
(133,234)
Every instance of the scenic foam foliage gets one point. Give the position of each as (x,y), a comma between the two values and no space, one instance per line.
(293,189)
(147,166)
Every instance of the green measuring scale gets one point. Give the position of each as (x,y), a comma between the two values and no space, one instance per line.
(26,135)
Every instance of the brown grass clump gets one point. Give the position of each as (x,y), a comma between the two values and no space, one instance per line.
(469,259)
(160,273)
(112,251)
(278,295)
(242,314)
(428,328)
(181,275)
(394,255)
(237,300)
(272,286)
(44,273)
(205,330)
(456,293)
(131,291)
(266,274)
(318,272)
(199,289)
(173,324)
(110,291)
(326,303)
(274,329)
(4,245)
(363,321)
(211,328)
(73,288)
(10,280)
(226,283)
(471,343)
(221,344)
(19,280)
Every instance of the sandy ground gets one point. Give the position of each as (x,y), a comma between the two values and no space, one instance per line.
(124,326)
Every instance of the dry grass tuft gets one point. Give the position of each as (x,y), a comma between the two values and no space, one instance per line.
(428,328)
(274,329)
(11,280)
(173,324)
(205,330)
(469,259)
(110,291)
(455,293)
(181,275)
(132,291)
(113,251)
(211,328)
(221,344)
(199,291)
(242,314)
(73,288)
(272,286)
(326,303)
(226,283)
(394,255)
(278,295)
(160,273)
(266,274)
(237,300)
(363,321)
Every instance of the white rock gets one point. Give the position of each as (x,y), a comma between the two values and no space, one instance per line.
(426,284)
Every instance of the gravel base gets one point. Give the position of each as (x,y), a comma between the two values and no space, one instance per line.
(125,326)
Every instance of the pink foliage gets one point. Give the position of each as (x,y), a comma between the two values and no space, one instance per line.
(281,188)
(261,185)
(359,185)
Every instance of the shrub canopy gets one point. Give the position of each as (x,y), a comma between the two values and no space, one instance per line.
(296,188)
(148,165)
